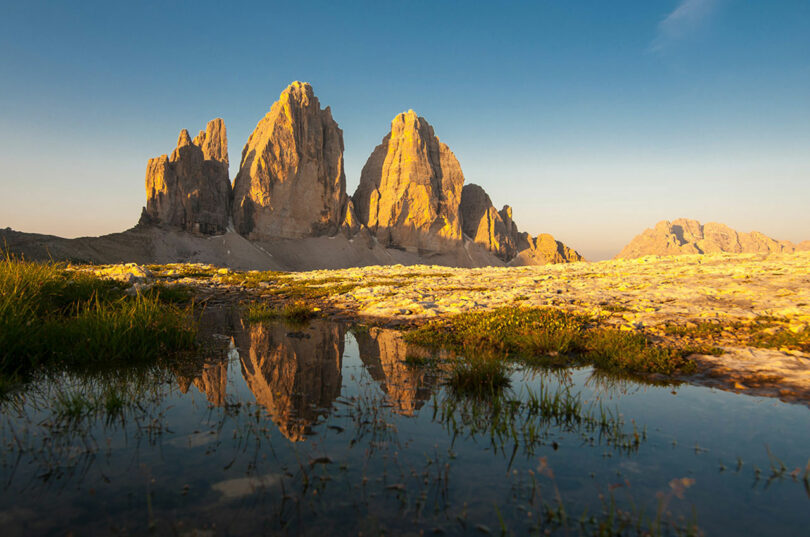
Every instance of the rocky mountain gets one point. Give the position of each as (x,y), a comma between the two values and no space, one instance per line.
(410,188)
(291,182)
(496,231)
(190,189)
(685,236)
(483,224)
(288,208)
(543,250)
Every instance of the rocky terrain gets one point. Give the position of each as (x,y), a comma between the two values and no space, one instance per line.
(752,308)
(684,236)
(288,208)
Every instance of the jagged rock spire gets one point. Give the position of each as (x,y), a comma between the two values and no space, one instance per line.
(291,181)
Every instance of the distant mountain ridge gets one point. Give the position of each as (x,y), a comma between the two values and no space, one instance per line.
(686,236)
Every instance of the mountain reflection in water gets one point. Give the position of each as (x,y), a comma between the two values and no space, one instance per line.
(327,429)
(295,372)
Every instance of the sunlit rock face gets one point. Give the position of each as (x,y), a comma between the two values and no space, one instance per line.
(190,189)
(544,249)
(383,352)
(684,236)
(410,188)
(291,181)
(295,378)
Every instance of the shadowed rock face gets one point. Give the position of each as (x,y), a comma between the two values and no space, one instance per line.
(543,250)
(499,234)
(190,189)
(291,181)
(684,236)
(383,352)
(295,378)
(410,188)
(485,225)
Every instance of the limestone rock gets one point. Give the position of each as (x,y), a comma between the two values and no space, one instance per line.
(349,223)
(190,189)
(410,188)
(291,181)
(685,236)
(482,223)
(543,250)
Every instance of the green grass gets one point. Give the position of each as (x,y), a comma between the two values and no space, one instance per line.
(764,332)
(51,315)
(478,376)
(537,333)
(631,352)
(293,311)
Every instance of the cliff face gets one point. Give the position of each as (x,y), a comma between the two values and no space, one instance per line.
(190,189)
(291,182)
(496,230)
(410,188)
(685,236)
(545,249)
(483,224)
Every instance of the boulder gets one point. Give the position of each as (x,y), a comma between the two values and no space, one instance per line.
(291,182)
(410,189)
(190,189)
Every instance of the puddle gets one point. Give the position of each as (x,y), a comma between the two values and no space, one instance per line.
(324,429)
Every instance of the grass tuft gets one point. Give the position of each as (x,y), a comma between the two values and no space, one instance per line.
(537,333)
(51,315)
(479,376)
(296,311)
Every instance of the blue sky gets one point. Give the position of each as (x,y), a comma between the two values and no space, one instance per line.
(594,120)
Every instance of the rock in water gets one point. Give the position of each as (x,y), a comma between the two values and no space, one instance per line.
(410,188)
(684,236)
(190,189)
(291,181)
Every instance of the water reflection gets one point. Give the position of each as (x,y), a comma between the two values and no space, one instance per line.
(345,436)
(383,352)
(212,380)
(294,374)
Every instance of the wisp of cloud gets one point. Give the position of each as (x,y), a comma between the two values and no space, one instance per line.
(687,17)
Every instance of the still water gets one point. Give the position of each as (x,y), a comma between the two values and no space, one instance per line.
(326,429)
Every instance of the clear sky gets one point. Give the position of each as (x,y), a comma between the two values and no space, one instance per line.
(593,119)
